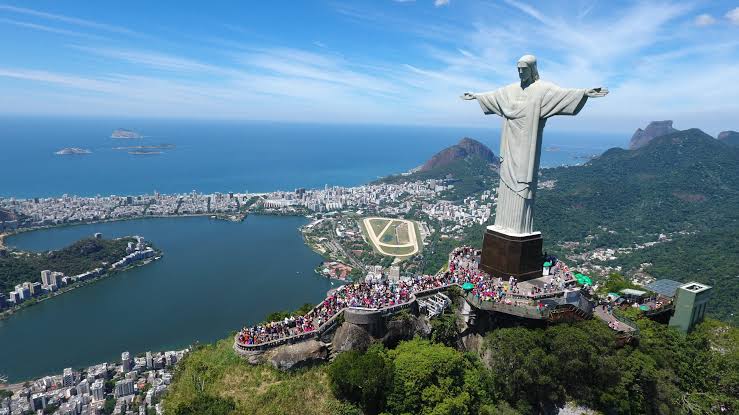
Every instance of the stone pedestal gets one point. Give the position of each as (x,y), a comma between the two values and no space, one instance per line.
(504,255)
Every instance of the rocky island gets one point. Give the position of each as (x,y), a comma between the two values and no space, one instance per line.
(72,151)
(124,133)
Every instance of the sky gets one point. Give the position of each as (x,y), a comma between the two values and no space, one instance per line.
(376,62)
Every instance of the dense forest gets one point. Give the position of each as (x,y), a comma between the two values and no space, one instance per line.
(83,255)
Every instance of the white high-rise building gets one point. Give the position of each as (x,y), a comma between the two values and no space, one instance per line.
(83,388)
(98,390)
(126,362)
(46,277)
(123,388)
(68,377)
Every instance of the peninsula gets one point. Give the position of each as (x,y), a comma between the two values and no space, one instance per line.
(57,272)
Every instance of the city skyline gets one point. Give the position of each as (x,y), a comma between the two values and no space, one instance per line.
(392,62)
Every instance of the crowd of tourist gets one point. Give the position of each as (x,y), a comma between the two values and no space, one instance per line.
(378,294)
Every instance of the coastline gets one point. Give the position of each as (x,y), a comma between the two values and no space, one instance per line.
(238,218)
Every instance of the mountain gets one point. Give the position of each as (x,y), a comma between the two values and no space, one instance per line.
(685,180)
(654,129)
(469,166)
(684,184)
(466,148)
(729,137)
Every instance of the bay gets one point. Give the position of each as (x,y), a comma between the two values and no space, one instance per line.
(215,277)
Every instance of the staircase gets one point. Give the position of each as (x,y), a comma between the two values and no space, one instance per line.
(331,352)
(568,312)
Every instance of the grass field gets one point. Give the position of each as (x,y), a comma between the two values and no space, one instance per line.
(258,390)
(378,225)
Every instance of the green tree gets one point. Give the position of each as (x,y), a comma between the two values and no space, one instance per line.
(431,378)
(444,330)
(362,379)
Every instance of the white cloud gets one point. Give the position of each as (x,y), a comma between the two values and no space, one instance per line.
(733,16)
(704,20)
(439,3)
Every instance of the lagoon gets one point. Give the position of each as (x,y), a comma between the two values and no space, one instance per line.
(214,278)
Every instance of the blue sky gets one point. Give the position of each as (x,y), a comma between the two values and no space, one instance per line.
(393,62)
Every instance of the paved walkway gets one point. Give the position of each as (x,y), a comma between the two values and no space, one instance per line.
(611,320)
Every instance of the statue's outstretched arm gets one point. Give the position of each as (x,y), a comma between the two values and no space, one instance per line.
(596,92)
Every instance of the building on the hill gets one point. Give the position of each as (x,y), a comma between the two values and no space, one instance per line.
(690,305)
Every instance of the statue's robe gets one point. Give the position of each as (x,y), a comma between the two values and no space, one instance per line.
(525,112)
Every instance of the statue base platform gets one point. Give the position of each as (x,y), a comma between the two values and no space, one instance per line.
(519,255)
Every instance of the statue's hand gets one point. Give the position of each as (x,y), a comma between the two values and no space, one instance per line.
(467,96)
(597,92)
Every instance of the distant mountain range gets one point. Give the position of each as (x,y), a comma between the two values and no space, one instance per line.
(659,128)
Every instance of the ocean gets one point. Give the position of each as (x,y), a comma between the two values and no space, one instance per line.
(222,156)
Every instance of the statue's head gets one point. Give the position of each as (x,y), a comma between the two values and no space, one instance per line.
(527,71)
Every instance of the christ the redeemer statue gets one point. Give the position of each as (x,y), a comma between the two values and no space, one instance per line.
(525,107)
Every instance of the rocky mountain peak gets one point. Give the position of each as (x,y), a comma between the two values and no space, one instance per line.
(654,129)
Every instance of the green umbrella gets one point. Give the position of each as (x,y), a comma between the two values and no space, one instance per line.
(467,286)
(583,279)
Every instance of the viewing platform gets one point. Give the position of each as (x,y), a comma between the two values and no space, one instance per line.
(368,304)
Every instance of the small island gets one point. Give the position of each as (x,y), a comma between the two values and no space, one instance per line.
(149,147)
(144,152)
(72,151)
(124,133)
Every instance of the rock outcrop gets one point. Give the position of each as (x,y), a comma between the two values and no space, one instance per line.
(729,137)
(301,354)
(467,147)
(405,327)
(654,129)
(350,337)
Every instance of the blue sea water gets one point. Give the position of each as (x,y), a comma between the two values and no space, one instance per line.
(224,156)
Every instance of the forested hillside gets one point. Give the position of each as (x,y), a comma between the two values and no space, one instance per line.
(81,256)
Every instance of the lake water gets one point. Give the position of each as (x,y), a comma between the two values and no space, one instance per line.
(215,277)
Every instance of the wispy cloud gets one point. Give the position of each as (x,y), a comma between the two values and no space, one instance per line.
(704,20)
(655,57)
(439,3)
(66,19)
(49,29)
(733,16)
